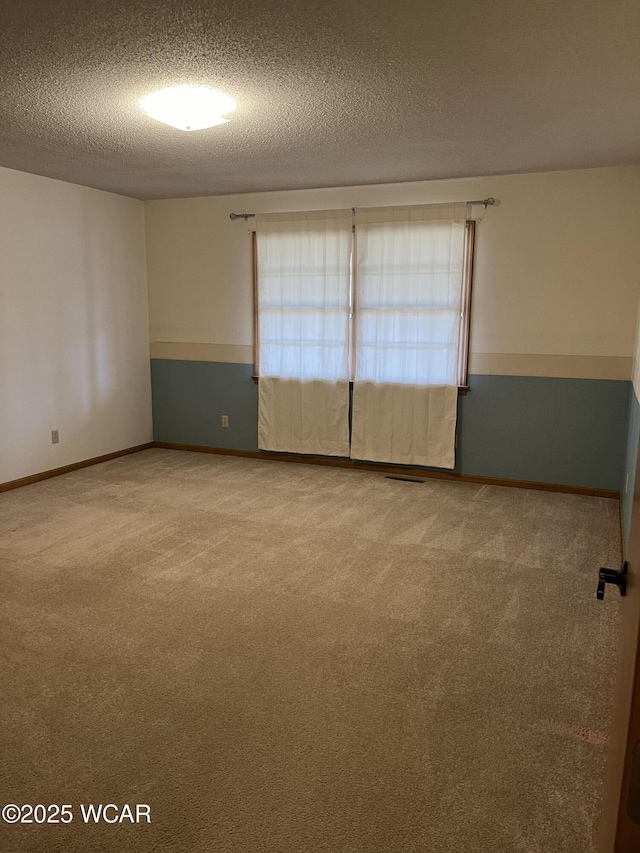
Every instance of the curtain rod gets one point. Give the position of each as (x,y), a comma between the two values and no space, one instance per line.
(485,202)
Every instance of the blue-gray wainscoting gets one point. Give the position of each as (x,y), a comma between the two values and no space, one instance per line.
(190,397)
(630,463)
(567,431)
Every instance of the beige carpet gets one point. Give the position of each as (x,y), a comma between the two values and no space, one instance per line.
(280,657)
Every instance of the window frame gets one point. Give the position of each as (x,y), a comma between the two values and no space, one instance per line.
(465,314)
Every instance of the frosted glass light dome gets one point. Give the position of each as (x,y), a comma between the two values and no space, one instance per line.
(188,107)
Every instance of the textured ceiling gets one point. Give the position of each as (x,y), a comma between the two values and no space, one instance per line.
(329,93)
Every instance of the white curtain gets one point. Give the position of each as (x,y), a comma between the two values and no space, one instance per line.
(303,331)
(409,277)
(310,416)
(405,424)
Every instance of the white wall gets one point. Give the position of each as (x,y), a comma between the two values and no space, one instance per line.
(557,268)
(73,324)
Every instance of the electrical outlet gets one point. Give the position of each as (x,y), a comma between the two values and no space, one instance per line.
(55,436)
(225,420)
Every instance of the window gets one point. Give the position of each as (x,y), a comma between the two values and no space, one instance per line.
(378,297)
(412,313)
(303,293)
(408,322)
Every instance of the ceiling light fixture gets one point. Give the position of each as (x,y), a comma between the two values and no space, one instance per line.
(188,107)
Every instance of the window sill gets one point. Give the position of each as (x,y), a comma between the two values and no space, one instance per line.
(463,390)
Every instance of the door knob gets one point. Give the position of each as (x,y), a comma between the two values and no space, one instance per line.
(614,576)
